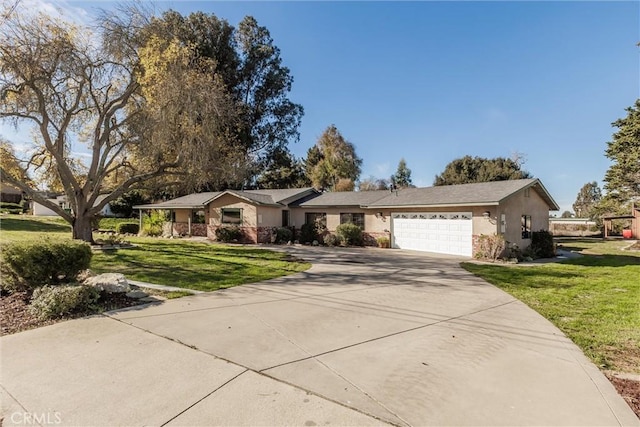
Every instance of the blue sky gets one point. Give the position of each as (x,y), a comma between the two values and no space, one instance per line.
(434,81)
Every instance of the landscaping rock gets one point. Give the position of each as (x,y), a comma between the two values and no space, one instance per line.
(111,283)
(137,294)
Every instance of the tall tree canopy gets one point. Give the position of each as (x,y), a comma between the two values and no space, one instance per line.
(402,177)
(145,104)
(249,67)
(332,158)
(282,170)
(588,198)
(479,169)
(622,179)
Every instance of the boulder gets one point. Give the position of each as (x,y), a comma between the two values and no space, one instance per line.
(111,283)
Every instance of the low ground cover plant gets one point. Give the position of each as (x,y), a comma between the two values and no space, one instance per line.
(228,234)
(50,302)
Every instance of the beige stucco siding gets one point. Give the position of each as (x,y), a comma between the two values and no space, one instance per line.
(380,224)
(182,215)
(269,216)
(249,211)
(516,206)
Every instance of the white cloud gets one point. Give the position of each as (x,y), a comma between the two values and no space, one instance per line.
(57,8)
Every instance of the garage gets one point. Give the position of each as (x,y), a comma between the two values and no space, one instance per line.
(440,232)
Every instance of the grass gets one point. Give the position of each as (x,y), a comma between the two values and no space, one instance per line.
(181,263)
(195,265)
(594,300)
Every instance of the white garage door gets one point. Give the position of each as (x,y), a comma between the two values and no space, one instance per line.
(442,232)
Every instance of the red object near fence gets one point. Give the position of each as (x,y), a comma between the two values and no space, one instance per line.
(626,234)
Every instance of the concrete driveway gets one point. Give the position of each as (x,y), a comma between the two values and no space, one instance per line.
(365,337)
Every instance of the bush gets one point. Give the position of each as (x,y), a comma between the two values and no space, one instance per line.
(11,211)
(308,233)
(128,228)
(48,302)
(27,265)
(350,234)
(490,247)
(284,235)
(152,224)
(8,205)
(332,240)
(110,239)
(542,244)
(228,234)
(383,242)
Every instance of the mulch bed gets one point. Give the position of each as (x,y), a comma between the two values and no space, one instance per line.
(629,390)
(15,316)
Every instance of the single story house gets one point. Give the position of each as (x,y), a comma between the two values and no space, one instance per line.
(62,201)
(444,219)
(573,227)
(10,194)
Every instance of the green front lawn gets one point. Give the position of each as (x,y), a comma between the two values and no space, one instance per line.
(594,300)
(195,265)
(176,262)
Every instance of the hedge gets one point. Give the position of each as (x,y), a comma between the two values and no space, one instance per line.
(28,265)
(128,228)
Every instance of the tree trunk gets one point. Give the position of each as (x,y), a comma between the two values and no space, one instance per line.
(82,229)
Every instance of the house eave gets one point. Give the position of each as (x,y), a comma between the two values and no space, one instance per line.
(434,205)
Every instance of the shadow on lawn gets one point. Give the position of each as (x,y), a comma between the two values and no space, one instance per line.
(13,224)
(604,261)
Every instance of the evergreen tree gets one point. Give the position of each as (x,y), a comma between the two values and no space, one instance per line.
(332,158)
(588,198)
(402,177)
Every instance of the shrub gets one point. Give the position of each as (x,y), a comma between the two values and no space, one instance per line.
(110,239)
(490,247)
(8,205)
(350,234)
(308,233)
(27,265)
(332,240)
(228,234)
(284,235)
(11,211)
(383,242)
(54,301)
(152,224)
(542,244)
(128,228)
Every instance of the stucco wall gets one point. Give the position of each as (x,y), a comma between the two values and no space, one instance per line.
(249,214)
(516,206)
(270,216)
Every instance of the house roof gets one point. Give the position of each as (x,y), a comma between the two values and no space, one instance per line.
(476,194)
(259,197)
(344,198)
(190,201)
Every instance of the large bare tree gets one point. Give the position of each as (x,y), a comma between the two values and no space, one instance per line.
(136,114)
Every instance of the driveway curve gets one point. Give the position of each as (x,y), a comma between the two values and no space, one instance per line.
(365,337)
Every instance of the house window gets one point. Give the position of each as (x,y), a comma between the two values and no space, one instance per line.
(526,226)
(232,216)
(285,218)
(353,218)
(197,217)
(316,218)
